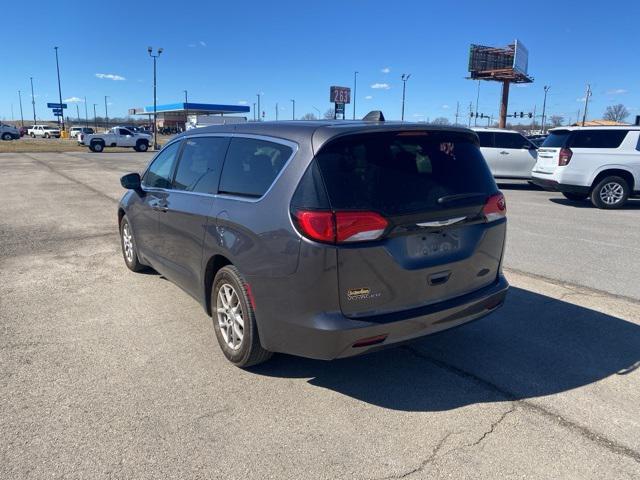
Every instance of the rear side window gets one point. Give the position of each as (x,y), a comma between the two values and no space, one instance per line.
(486,139)
(200,164)
(557,139)
(402,172)
(158,175)
(251,166)
(597,138)
(510,140)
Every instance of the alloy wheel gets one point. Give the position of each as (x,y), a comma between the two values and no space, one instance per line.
(230,316)
(127,242)
(611,193)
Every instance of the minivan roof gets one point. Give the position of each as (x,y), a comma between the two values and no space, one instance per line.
(319,131)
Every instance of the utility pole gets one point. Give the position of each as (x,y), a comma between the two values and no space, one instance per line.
(586,104)
(475,122)
(355,86)
(86,116)
(293,115)
(61,118)
(544,107)
(470,112)
(78,112)
(33,102)
(155,98)
(21,116)
(404,79)
(95,117)
(276,111)
(186,107)
(457,111)
(106,113)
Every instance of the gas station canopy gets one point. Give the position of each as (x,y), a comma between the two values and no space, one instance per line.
(191,109)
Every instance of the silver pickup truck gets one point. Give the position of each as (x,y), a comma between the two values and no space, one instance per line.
(116,137)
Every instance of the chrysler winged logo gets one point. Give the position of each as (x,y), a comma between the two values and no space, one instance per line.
(441,223)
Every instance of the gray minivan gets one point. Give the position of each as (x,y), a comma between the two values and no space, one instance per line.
(322,239)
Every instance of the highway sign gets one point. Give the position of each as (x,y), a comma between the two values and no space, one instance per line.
(56,105)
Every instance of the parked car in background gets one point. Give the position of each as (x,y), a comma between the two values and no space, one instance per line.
(44,131)
(600,163)
(9,132)
(321,239)
(116,137)
(508,153)
(75,131)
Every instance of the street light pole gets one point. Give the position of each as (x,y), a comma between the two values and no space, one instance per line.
(59,90)
(293,115)
(155,113)
(186,106)
(355,86)
(78,112)
(21,116)
(254,111)
(106,113)
(259,111)
(586,104)
(86,116)
(544,107)
(276,111)
(404,78)
(95,117)
(475,122)
(33,102)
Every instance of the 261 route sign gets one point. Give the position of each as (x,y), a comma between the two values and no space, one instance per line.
(340,94)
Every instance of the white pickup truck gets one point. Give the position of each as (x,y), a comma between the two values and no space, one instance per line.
(44,131)
(116,137)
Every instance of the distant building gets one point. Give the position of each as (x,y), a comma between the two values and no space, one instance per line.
(598,123)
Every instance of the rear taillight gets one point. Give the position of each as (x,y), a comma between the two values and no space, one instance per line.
(565,157)
(340,227)
(495,208)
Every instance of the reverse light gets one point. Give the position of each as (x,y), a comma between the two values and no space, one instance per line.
(340,227)
(565,157)
(495,208)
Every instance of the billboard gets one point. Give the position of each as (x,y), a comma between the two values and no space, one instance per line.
(483,58)
(520,58)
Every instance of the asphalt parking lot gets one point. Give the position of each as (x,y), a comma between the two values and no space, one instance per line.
(109,374)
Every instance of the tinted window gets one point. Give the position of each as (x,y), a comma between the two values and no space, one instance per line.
(486,139)
(597,138)
(251,166)
(200,163)
(510,140)
(159,173)
(399,173)
(557,139)
(124,132)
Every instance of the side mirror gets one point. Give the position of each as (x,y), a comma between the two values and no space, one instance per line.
(131,181)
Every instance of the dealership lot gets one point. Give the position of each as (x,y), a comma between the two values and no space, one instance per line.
(109,374)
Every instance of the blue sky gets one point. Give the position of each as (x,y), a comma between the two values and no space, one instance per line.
(226,52)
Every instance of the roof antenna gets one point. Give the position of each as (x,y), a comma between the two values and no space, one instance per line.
(374,116)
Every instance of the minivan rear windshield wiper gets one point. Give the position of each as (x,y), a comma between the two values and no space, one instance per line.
(461,196)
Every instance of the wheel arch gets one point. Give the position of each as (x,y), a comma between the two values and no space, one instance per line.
(214,264)
(615,171)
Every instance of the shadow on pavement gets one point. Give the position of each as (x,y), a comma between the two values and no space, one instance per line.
(632,204)
(534,346)
(517,185)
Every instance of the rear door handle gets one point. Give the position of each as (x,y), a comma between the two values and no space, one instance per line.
(160,207)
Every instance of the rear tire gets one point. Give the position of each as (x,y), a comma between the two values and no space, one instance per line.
(7,136)
(129,247)
(97,147)
(575,197)
(141,147)
(32,135)
(234,319)
(610,193)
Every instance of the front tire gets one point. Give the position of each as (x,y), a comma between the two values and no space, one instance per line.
(610,193)
(46,135)
(32,135)
(7,136)
(129,248)
(575,197)
(97,147)
(141,147)
(234,319)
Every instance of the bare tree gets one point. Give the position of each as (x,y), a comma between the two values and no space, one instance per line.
(308,116)
(329,114)
(616,113)
(441,121)
(556,120)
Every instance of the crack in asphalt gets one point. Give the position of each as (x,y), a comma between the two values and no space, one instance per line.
(531,407)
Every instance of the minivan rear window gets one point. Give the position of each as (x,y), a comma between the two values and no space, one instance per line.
(405,172)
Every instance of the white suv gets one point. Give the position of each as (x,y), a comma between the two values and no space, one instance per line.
(508,153)
(602,163)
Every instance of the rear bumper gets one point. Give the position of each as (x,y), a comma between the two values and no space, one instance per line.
(555,186)
(331,336)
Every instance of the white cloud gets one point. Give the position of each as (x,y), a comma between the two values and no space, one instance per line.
(368,97)
(445,106)
(202,43)
(73,100)
(381,86)
(522,85)
(109,76)
(417,115)
(242,102)
(616,91)
(385,70)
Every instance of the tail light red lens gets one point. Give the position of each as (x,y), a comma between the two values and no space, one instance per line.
(495,208)
(340,227)
(565,157)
